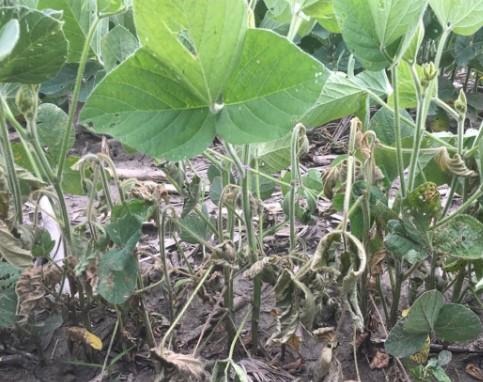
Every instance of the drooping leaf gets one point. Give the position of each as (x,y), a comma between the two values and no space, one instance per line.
(461,237)
(343,96)
(51,125)
(127,220)
(192,227)
(424,313)
(221,79)
(9,35)
(117,45)
(463,17)
(118,272)
(375,30)
(78,17)
(406,241)
(40,50)
(402,344)
(457,323)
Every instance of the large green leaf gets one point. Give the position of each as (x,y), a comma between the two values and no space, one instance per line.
(402,344)
(211,76)
(40,50)
(457,323)
(9,35)
(375,30)
(424,313)
(78,18)
(463,17)
(461,237)
(343,96)
(405,241)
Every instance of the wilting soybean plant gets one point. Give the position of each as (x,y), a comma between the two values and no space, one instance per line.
(205,70)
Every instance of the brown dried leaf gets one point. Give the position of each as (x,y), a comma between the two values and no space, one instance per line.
(185,365)
(473,370)
(33,287)
(380,361)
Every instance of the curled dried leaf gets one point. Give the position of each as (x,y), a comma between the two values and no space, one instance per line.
(473,370)
(380,360)
(455,165)
(149,191)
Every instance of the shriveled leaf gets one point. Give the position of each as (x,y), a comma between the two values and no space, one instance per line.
(375,30)
(461,237)
(40,50)
(457,323)
(9,36)
(402,344)
(211,76)
(11,249)
(463,17)
(186,365)
(424,313)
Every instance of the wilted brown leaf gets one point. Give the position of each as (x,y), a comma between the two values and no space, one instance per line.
(473,370)
(380,360)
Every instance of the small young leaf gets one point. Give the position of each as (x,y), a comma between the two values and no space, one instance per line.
(106,6)
(424,313)
(457,323)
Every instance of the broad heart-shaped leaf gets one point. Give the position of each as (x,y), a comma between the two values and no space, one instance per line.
(374,30)
(461,237)
(463,17)
(171,99)
(9,35)
(343,96)
(402,344)
(457,323)
(78,17)
(424,313)
(40,51)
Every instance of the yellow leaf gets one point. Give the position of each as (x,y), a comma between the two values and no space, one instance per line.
(422,356)
(83,335)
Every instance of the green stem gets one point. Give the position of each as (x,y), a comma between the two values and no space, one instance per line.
(185,307)
(13,182)
(252,242)
(295,22)
(397,130)
(460,278)
(75,98)
(296,181)
(161,224)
